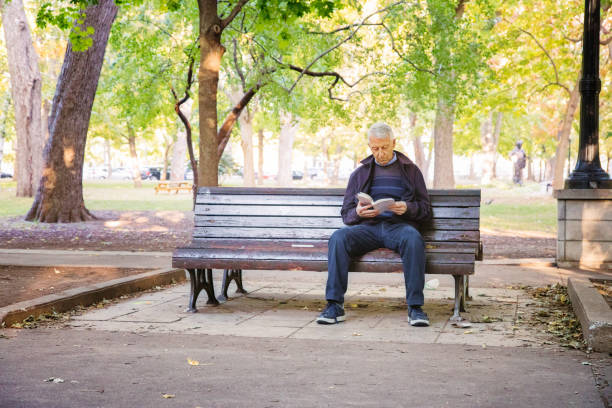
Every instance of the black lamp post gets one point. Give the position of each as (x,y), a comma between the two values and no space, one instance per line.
(588,172)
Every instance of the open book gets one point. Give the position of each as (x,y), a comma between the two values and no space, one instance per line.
(382,205)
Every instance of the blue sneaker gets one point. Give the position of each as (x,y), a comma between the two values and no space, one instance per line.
(417,317)
(333,313)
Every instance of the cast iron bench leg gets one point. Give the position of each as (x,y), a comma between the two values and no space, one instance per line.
(228,276)
(201,279)
(460,292)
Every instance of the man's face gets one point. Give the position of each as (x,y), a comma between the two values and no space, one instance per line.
(382,149)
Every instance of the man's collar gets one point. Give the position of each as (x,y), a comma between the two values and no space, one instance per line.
(400,157)
(390,162)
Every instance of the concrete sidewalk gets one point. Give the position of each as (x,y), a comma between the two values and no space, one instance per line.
(265,349)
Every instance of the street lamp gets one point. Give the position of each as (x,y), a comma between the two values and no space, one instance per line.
(588,172)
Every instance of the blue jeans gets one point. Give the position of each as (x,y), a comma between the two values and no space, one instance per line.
(356,240)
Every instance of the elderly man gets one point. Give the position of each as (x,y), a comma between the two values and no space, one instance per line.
(385,174)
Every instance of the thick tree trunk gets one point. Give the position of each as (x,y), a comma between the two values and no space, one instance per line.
(285,149)
(565,128)
(179,151)
(489,138)
(444,177)
(211,52)
(25,82)
(260,148)
(60,194)
(134,157)
(530,175)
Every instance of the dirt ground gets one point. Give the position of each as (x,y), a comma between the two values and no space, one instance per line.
(19,283)
(166,230)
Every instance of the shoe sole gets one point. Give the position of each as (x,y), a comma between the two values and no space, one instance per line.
(418,322)
(325,320)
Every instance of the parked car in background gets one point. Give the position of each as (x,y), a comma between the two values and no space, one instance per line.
(153,173)
(297,175)
(121,173)
(5,175)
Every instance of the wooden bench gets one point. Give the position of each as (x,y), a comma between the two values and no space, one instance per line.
(175,186)
(287,229)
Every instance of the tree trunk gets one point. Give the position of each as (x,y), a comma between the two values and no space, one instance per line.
(260,148)
(285,149)
(444,177)
(107,154)
(419,152)
(211,52)
(167,148)
(25,82)
(60,194)
(179,150)
(563,135)
(134,157)
(245,120)
(489,138)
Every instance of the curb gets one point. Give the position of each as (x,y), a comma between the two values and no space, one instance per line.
(594,313)
(519,262)
(87,295)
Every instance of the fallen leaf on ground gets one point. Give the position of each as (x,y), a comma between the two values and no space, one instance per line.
(468,332)
(193,362)
(168,396)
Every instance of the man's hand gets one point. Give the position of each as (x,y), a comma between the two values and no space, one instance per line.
(399,207)
(366,211)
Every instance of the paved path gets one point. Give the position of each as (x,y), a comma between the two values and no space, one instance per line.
(265,350)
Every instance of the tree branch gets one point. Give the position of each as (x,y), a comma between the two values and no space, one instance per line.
(351,35)
(547,55)
(342,28)
(238,70)
(227,20)
(399,54)
(226,129)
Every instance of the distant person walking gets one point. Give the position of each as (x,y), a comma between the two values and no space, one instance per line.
(519,161)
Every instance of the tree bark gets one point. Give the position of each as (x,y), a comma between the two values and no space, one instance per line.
(107,154)
(179,151)
(134,157)
(245,120)
(563,135)
(285,149)
(260,148)
(26,83)
(489,138)
(167,148)
(211,52)
(444,177)
(7,102)
(60,194)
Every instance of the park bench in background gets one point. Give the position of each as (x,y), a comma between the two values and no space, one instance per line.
(287,229)
(175,186)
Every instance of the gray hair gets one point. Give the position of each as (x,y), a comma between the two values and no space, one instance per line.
(380,130)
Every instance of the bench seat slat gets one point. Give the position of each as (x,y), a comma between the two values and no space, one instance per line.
(357,266)
(317,233)
(311,254)
(319,222)
(314,211)
(283,245)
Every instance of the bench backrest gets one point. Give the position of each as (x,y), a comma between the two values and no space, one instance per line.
(313,214)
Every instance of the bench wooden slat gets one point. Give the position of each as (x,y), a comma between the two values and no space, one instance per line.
(320,266)
(257,199)
(316,233)
(315,192)
(319,222)
(314,211)
(311,254)
(283,245)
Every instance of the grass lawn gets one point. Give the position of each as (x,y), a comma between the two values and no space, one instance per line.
(503,208)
